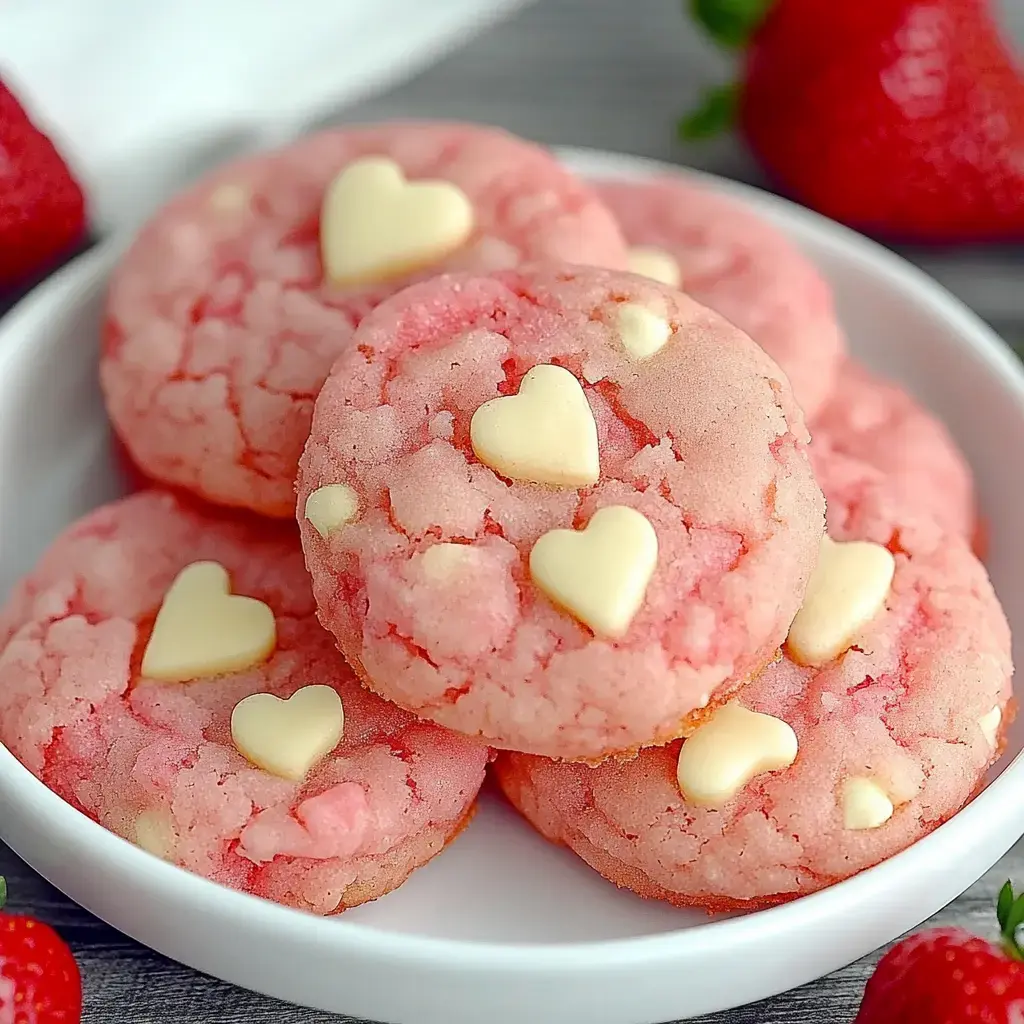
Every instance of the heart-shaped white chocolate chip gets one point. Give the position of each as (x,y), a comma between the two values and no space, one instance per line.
(375,225)
(865,804)
(330,507)
(546,434)
(599,574)
(732,747)
(643,333)
(848,588)
(288,737)
(655,264)
(202,629)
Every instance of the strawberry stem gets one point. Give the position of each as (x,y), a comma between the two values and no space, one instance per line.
(715,114)
(3,892)
(1010,914)
(730,23)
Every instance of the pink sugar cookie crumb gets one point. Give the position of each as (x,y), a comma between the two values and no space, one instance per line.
(918,706)
(155,762)
(220,327)
(876,422)
(704,439)
(741,266)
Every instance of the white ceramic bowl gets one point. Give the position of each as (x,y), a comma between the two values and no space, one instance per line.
(502,927)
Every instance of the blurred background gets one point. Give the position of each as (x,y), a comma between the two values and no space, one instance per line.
(171,88)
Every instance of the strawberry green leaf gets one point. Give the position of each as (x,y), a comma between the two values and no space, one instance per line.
(3,892)
(730,23)
(1010,919)
(1004,904)
(716,114)
(1016,917)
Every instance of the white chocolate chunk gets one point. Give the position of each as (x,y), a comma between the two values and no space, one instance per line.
(330,507)
(865,804)
(989,725)
(847,589)
(202,629)
(154,832)
(599,574)
(655,264)
(732,747)
(545,434)
(288,737)
(441,562)
(376,225)
(229,198)
(643,333)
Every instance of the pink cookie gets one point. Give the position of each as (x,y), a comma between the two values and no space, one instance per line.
(426,523)
(155,761)
(893,738)
(877,422)
(730,259)
(221,326)
(859,498)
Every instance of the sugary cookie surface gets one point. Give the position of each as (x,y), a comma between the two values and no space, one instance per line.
(226,313)
(576,530)
(277,774)
(875,421)
(734,261)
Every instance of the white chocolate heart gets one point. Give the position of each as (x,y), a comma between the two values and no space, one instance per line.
(643,333)
(545,434)
(848,588)
(330,507)
(655,264)
(202,629)
(288,737)
(865,804)
(599,574)
(732,747)
(376,225)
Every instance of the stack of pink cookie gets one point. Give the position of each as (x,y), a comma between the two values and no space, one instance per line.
(558,508)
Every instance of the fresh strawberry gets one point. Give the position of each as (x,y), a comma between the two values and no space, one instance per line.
(40,982)
(901,117)
(42,209)
(948,975)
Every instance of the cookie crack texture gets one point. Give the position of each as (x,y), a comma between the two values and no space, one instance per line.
(231,387)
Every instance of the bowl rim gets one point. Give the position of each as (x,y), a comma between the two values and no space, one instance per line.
(88,272)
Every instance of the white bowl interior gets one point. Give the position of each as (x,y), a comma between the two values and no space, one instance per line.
(499,885)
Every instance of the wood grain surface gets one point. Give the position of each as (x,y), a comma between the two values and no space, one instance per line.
(601,73)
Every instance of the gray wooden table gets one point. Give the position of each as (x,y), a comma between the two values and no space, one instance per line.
(602,73)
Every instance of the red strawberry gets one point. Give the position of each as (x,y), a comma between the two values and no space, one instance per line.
(901,117)
(40,981)
(948,975)
(42,209)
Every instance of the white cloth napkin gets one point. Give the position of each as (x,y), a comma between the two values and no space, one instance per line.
(142,95)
